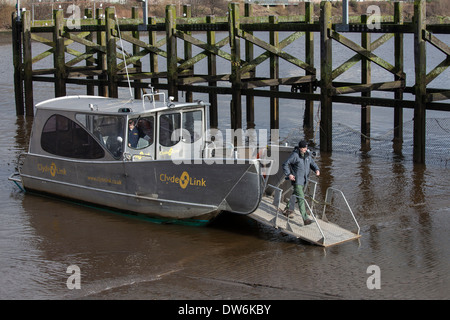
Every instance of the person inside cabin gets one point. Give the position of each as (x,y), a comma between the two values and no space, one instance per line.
(133,134)
(296,168)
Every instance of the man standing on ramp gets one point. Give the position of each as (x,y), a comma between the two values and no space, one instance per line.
(296,168)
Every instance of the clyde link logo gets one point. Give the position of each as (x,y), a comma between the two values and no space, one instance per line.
(52,169)
(184,180)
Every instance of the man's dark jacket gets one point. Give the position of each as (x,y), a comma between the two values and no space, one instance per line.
(299,166)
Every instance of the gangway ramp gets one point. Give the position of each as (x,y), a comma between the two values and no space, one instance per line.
(321,232)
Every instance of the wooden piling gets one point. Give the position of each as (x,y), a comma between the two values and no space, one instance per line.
(242,80)
(187,13)
(111,56)
(172,74)
(152,55)
(398,93)
(420,86)
(138,64)
(249,55)
(326,84)
(365,79)
(89,87)
(17,63)
(308,118)
(235,77)
(101,56)
(59,54)
(274,74)
(27,63)
(212,71)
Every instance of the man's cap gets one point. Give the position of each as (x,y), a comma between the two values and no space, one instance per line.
(302,144)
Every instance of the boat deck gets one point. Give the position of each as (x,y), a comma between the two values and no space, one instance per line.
(328,234)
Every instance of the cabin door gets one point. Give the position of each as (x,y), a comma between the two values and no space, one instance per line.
(180,134)
(169,127)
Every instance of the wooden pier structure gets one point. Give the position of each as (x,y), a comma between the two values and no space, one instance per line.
(103,65)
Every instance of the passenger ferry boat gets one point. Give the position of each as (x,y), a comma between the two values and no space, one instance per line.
(145,157)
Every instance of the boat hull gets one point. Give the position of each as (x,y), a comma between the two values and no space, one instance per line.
(159,189)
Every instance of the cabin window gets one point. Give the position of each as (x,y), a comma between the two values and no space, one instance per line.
(64,137)
(192,123)
(108,130)
(169,129)
(140,132)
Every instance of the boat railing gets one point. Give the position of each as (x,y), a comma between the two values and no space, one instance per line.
(211,150)
(16,176)
(328,203)
(151,97)
(228,150)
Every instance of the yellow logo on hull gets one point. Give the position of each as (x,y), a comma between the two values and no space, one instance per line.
(184,180)
(53,169)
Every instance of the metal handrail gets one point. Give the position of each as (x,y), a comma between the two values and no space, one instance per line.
(327,198)
(313,198)
(276,201)
(312,214)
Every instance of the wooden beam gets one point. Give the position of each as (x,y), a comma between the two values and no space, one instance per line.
(277,82)
(366,53)
(276,51)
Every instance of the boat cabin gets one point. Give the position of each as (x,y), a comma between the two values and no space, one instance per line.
(99,128)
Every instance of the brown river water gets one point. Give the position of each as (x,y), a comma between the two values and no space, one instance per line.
(403,210)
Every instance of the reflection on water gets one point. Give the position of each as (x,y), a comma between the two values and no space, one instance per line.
(403,210)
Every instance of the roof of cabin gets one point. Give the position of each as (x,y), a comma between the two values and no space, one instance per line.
(84,103)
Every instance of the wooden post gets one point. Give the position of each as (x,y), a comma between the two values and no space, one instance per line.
(420,86)
(153,56)
(365,79)
(111,57)
(59,54)
(212,71)
(326,77)
(249,55)
(101,57)
(27,63)
(137,65)
(172,75)
(235,78)
(308,118)
(398,95)
(187,12)
(17,62)
(89,87)
(274,74)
